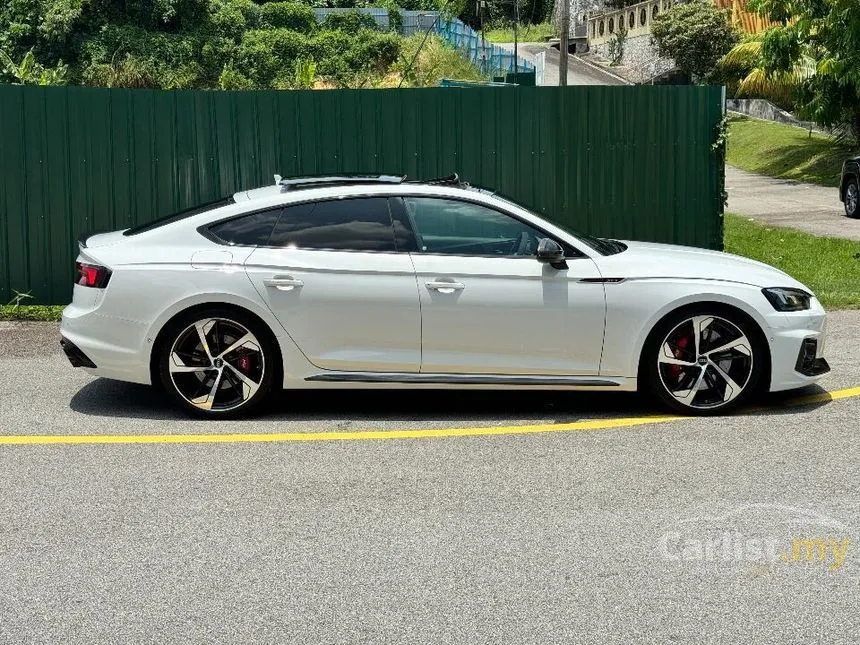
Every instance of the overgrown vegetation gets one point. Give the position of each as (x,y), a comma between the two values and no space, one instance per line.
(504,33)
(828,266)
(696,35)
(783,151)
(201,44)
(436,60)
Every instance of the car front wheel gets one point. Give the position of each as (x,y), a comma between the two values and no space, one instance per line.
(217,364)
(704,361)
(852,199)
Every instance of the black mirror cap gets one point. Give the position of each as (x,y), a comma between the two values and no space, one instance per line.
(550,252)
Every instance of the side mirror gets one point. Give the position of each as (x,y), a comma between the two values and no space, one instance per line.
(550,252)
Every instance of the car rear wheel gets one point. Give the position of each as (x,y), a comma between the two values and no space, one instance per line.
(217,363)
(705,361)
(852,199)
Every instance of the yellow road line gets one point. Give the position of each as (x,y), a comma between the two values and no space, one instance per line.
(360,435)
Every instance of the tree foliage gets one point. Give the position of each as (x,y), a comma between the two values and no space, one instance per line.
(696,35)
(826,34)
(205,44)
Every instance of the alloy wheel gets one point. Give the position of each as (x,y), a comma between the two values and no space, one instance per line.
(216,364)
(852,197)
(705,362)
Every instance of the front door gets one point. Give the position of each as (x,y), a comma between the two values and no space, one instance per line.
(489,307)
(332,275)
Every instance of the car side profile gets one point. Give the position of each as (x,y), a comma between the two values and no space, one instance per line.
(379,282)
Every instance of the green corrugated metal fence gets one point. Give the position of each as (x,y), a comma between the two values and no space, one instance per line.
(628,162)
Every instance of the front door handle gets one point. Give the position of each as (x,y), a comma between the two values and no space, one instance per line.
(283,282)
(445,287)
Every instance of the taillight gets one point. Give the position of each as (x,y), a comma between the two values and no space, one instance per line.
(91,275)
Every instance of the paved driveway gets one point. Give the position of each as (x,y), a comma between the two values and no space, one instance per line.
(686,531)
(783,202)
(578,72)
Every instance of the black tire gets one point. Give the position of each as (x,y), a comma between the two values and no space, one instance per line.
(852,198)
(244,375)
(711,393)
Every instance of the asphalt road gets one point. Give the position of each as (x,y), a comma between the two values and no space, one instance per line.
(677,532)
(578,72)
(784,202)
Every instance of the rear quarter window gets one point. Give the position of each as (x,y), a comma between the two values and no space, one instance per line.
(247,230)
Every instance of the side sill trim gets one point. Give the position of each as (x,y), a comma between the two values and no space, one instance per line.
(465,379)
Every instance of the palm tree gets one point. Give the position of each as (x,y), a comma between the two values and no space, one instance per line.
(743,72)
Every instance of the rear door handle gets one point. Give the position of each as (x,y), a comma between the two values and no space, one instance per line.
(283,282)
(445,287)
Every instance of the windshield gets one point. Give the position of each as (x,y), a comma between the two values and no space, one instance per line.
(175,217)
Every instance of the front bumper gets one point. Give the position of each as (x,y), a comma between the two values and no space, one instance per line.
(797,349)
(808,361)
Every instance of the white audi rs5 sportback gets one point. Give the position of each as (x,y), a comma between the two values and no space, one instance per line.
(334,282)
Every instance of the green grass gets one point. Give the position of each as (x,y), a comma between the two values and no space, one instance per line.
(31,312)
(785,152)
(435,60)
(526,33)
(828,266)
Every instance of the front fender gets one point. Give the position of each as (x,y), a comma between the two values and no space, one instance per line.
(634,307)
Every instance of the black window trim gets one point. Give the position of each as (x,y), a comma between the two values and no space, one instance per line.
(178,216)
(209,235)
(565,245)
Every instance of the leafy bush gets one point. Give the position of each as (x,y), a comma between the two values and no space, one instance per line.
(350,21)
(289,15)
(265,54)
(696,35)
(128,56)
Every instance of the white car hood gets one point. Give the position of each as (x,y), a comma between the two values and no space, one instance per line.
(649,260)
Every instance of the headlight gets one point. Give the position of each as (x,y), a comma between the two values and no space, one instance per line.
(787,299)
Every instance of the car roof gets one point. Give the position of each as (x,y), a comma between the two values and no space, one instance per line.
(339,183)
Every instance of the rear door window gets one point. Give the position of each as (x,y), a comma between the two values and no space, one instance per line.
(360,224)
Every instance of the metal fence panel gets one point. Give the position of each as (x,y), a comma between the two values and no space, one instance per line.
(628,162)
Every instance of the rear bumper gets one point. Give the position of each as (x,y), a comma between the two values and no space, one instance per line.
(76,357)
(113,347)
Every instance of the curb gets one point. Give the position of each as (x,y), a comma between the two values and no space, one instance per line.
(598,68)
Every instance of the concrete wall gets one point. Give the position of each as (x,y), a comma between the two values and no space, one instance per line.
(639,58)
(636,19)
(762,109)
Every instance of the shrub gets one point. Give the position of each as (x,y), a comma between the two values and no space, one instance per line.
(350,22)
(266,54)
(289,15)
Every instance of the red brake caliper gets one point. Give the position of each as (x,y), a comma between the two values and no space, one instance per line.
(678,351)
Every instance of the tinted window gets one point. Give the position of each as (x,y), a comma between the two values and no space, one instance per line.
(345,224)
(463,228)
(175,217)
(249,230)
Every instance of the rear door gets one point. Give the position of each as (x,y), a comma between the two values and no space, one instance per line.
(332,274)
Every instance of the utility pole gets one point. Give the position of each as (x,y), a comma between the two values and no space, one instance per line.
(564,27)
(516,35)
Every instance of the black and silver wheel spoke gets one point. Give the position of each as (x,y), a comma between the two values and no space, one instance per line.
(852,196)
(705,362)
(216,364)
